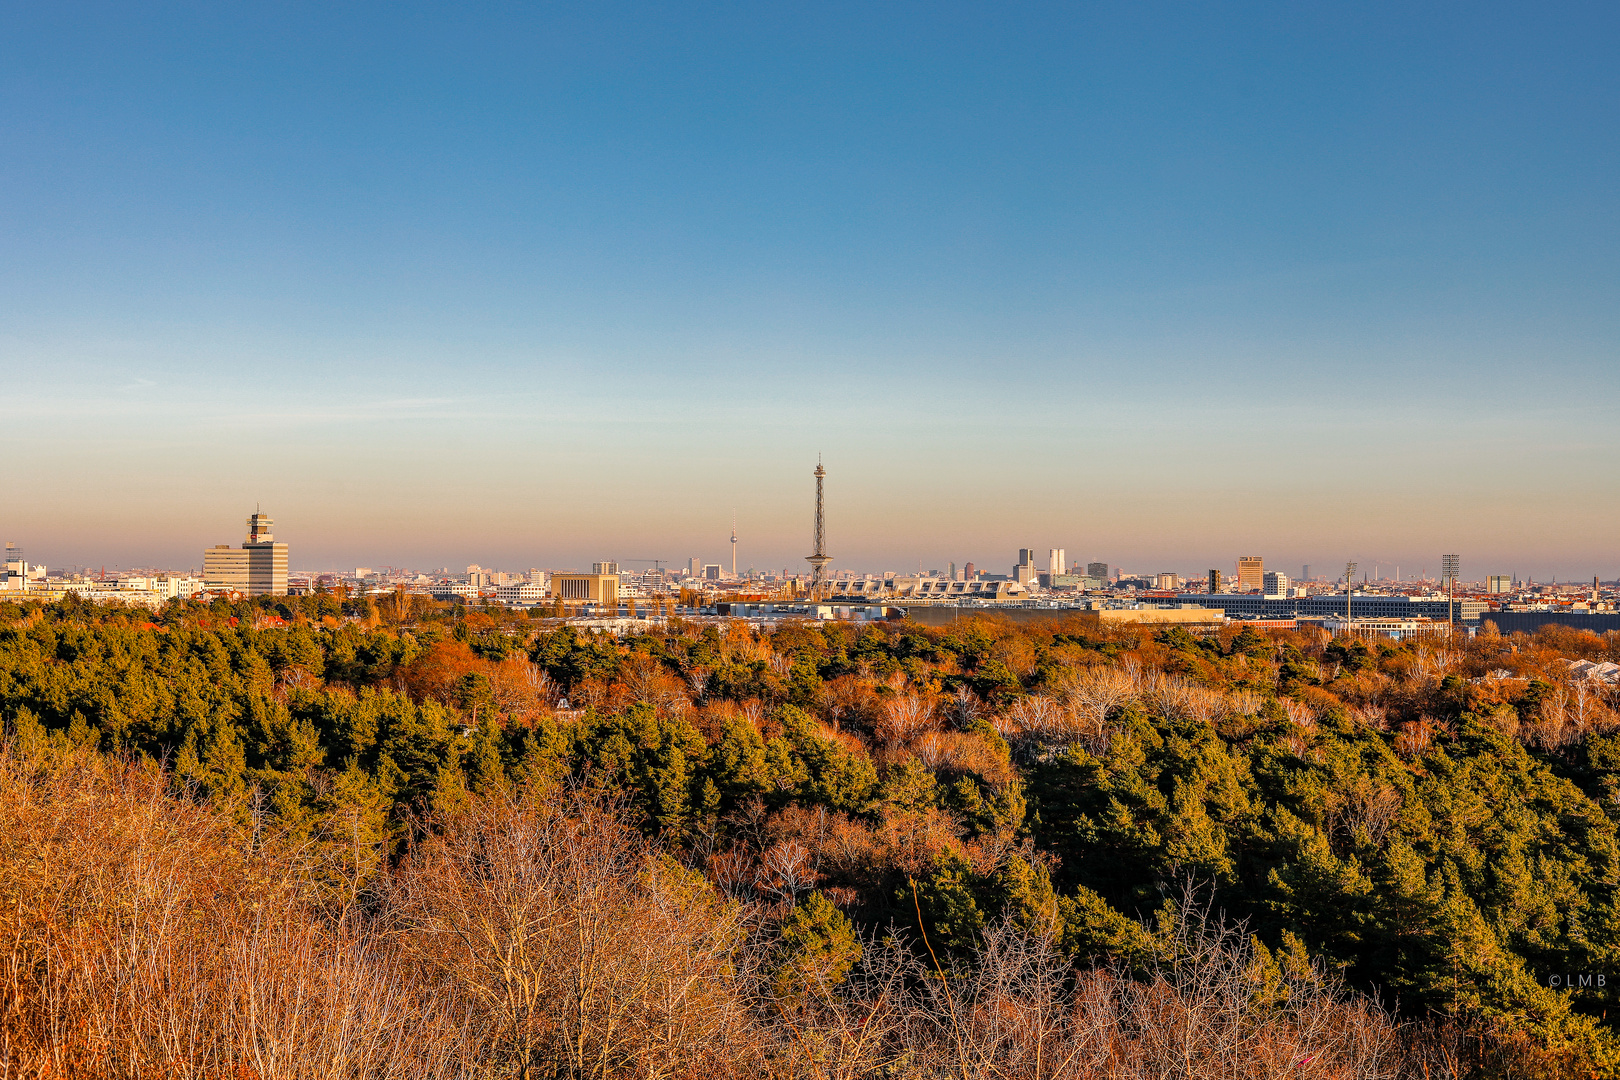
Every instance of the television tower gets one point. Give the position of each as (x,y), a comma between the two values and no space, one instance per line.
(819,559)
(734,545)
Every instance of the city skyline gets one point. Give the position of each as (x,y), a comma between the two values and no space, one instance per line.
(1158,285)
(1376,569)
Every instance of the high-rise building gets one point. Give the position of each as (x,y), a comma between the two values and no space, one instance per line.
(1216,583)
(605,568)
(968,570)
(1275,583)
(1251,572)
(258,568)
(1097,570)
(14,574)
(1056,562)
(694,568)
(1499,583)
(1026,556)
(267,560)
(1305,572)
(1167,581)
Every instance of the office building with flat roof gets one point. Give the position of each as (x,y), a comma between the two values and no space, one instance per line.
(225,569)
(14,573)
(257,568)
(1251,572)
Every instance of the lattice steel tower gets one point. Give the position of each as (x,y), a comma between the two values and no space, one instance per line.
(819,560)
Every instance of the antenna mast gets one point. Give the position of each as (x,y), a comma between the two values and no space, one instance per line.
(1349,587)
(819,559)
(734,545)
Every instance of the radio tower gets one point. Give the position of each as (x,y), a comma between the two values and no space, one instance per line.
(819,560)
(734,545)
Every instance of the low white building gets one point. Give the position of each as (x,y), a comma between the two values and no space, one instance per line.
(522,592)
(1395,629)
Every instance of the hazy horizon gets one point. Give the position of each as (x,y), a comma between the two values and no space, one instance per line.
(1159,285)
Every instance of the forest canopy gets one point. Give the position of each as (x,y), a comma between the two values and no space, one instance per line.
(1431,825)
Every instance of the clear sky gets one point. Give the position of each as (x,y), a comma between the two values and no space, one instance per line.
(530,285)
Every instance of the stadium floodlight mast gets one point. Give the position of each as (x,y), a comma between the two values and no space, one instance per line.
(1349,587)
(819,560)
(1450,568)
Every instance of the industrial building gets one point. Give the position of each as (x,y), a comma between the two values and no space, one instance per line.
(1195,619)
(1332,605)
(1528,622)
(888,590)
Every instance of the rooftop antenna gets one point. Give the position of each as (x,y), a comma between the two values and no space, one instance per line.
(1349,587)
(819,559)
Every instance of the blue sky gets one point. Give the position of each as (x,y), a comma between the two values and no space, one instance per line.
(531,285)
